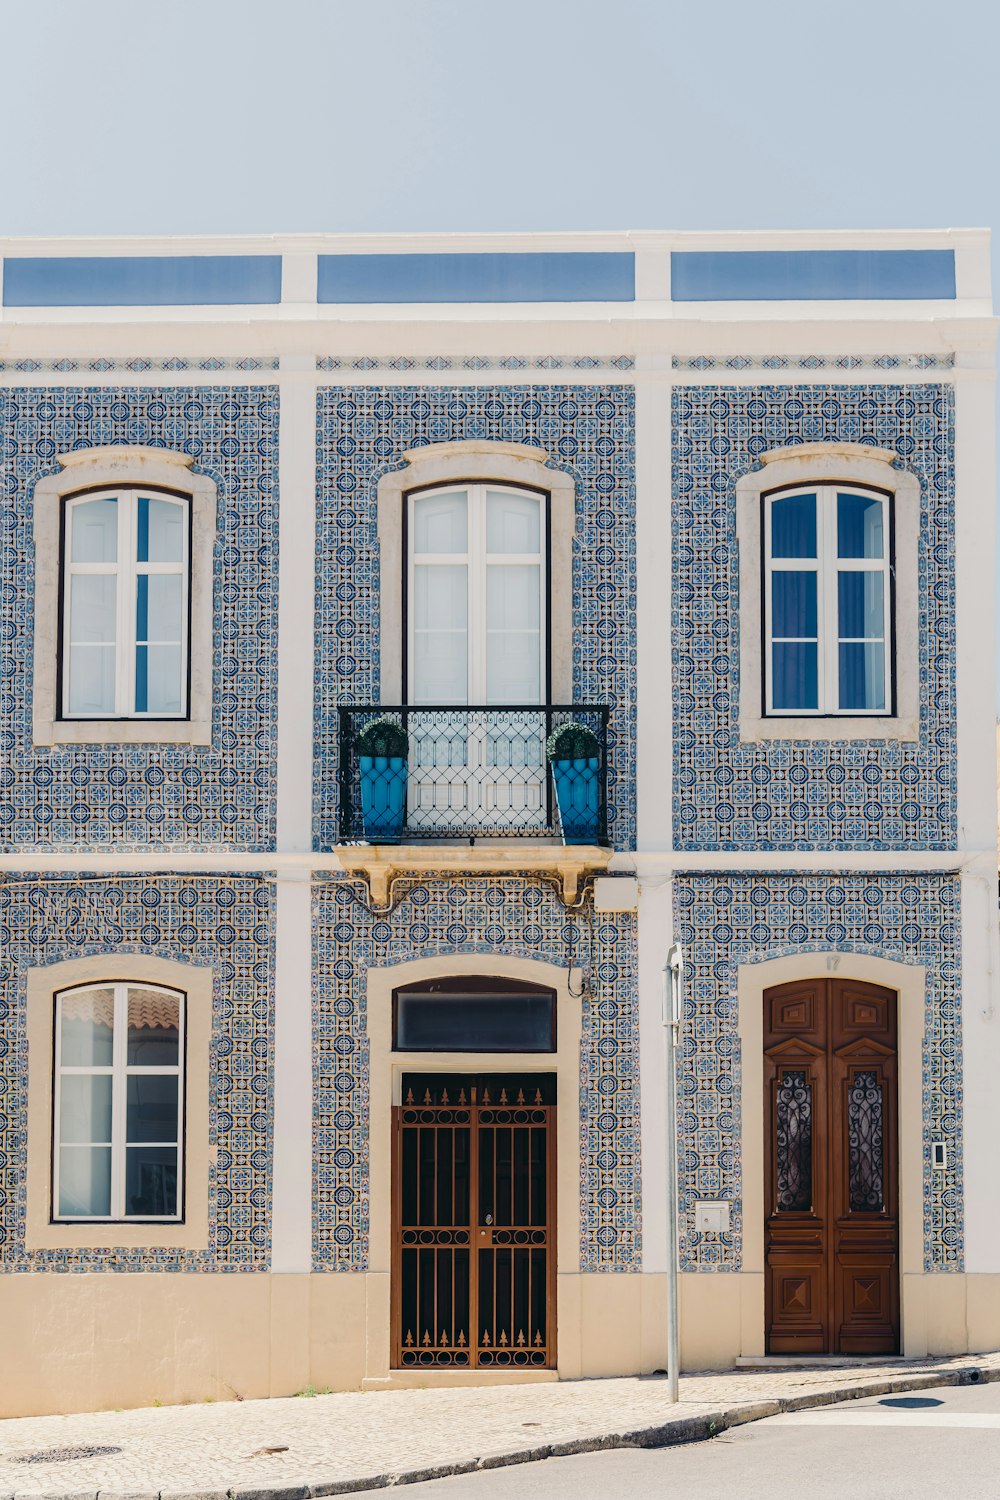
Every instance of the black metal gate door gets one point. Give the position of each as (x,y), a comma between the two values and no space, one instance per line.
(473,1267)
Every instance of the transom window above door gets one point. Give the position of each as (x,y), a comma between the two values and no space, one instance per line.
(476,585)
(828,601)
(125,605)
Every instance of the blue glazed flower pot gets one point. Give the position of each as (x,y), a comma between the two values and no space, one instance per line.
(578,792)
(383,795)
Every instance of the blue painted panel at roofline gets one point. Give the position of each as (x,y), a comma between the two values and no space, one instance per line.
(811,275)
(141,280)
(534,276)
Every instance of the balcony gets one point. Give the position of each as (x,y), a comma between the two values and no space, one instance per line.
(478,778)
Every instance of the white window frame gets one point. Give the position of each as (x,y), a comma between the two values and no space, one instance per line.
(120,1070)
(126,570)
(828,566)
(477,563)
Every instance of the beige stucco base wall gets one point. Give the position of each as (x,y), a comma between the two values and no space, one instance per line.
(99,1341)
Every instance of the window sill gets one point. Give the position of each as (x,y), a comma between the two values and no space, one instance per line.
(123,732)
(835,727)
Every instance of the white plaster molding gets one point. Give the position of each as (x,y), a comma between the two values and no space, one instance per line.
(825,463)
(475,461)
(125,465)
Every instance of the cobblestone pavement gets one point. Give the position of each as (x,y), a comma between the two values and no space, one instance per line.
(356,1440)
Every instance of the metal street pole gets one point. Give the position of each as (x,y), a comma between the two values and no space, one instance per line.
(672,972)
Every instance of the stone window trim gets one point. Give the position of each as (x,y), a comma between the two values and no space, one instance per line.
(826,463)
(475,461)
(122,466)
(42,1231)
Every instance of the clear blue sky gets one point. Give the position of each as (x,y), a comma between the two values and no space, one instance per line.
(199,116)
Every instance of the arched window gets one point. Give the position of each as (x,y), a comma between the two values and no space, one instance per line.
(124,548)
(126,589)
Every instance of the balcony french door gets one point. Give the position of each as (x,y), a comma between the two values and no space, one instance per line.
(473,1270)
(477,634)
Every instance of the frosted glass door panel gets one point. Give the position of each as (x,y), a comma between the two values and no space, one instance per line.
(441,523)
(513,523)
(440,633)
(92,629)
(513,633)
(95,532)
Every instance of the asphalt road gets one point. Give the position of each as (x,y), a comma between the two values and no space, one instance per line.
(931,1445)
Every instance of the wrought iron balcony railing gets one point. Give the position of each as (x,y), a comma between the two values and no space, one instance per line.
(457,772)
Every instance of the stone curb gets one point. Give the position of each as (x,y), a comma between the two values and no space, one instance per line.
(691,1429)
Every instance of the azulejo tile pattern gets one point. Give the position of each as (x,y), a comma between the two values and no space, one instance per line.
(138,365)
(813,362)
(728,920)
(361,362)
(220,921)
(504,916)
(155,796)
(589,431)
(786,794)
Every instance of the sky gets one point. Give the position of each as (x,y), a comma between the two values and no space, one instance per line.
(228,116)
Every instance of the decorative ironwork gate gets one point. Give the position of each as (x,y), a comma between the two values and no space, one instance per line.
(473,1273)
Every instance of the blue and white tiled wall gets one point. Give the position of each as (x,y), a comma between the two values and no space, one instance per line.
(829,794)
(589,432)
(67,797)
(222,922)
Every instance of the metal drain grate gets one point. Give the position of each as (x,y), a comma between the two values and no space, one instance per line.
(61,1455)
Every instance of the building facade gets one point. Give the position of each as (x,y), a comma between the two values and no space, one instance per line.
(404,642)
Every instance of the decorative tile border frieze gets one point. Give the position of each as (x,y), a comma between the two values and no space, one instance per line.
(510,362)
(790,794)
(149,796)
(362,433)
(224,922)
(702,362)
(509,916)
(176,364)
(737,918)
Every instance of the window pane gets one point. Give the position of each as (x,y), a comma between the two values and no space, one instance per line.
(440,633)
(793,604)
(440,522)
(513,522)
(85,1107)
(861,597)
(87,1020)
(92,680)
(793,526)
(153,1029)
(859,526)
(160,530)
(151,1182)
(151,1110)
(513,641)
(94,531)
(795,674)
(474,1023)
(862,675)
(85,1181)
(92,608)
(158,598)
(159,688)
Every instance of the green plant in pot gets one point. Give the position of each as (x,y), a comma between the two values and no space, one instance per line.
(574,754)
(382,765)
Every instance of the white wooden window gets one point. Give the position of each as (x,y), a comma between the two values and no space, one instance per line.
(126,582)
(119,1097)
(476,586)
(827,577)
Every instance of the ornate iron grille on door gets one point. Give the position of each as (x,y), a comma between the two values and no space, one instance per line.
(473,1275)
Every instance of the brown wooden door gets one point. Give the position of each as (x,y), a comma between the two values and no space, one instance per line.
(831,1225)
(473,1265)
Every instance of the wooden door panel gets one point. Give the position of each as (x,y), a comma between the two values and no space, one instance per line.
(831,1245)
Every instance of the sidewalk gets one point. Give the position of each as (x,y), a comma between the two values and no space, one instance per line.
(303,1446)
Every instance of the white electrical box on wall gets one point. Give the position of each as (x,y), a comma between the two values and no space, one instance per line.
(616,893)
(712,1218)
